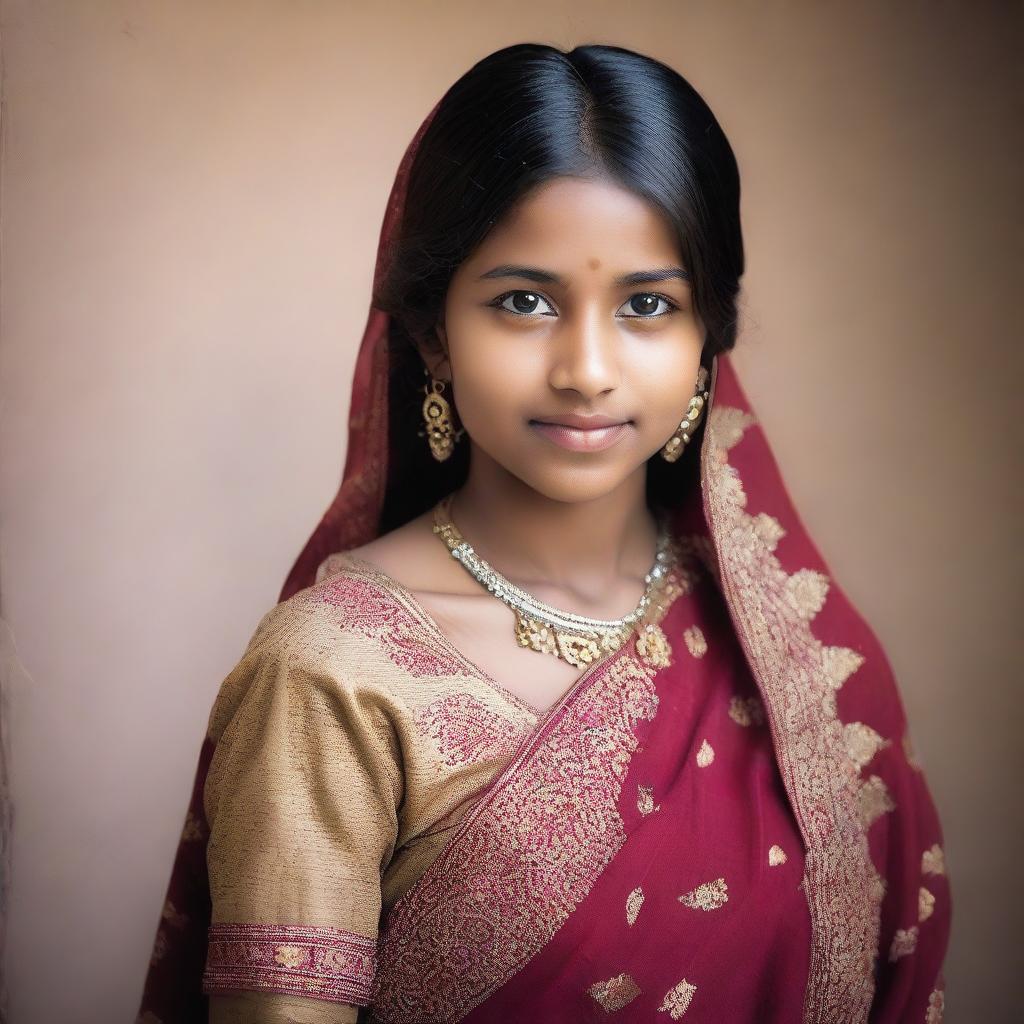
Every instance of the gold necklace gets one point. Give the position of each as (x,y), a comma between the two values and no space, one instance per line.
(576,639)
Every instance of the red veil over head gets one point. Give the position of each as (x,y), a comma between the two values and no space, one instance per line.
(874,880)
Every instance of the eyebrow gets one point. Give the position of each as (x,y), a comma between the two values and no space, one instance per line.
(547,277)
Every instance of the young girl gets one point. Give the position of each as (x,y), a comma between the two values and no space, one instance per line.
(561,715)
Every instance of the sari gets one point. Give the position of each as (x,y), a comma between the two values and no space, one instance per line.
(725,819)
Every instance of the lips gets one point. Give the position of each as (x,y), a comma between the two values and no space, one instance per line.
(579,421)
(582,433)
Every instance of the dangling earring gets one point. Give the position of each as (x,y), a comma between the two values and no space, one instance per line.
(437,414)
(681,438)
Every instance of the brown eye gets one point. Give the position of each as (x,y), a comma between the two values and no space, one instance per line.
(523,303)
(644,306)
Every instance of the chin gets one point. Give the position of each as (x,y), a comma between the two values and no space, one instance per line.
(575,485)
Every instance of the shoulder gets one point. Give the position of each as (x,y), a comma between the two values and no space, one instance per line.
(322,647)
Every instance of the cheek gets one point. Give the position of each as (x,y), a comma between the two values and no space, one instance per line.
(493,374)
(663,384)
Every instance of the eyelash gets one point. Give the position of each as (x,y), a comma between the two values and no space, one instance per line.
(497,304)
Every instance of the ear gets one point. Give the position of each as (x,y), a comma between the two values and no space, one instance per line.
(433,350)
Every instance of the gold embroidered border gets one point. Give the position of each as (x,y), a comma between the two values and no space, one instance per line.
(332,964)
(798,677)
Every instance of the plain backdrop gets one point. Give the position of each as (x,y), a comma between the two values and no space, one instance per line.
(191,198)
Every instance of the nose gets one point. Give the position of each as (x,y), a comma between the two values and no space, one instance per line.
(585,357)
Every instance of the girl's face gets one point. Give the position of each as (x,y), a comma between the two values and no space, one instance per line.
(575,305)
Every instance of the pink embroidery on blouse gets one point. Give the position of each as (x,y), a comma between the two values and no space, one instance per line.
(378,615)
(322,963)
(465,730)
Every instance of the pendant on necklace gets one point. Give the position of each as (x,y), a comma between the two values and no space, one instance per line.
(574,648)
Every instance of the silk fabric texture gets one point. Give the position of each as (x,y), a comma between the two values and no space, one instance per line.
(729,825)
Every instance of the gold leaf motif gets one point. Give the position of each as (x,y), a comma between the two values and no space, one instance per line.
(862,743)
(730,424)
(776,856)
(653,645)
(634,901)
(290,956)
(615,993)
(933,861)
(746,710)
(709,896)
(838,664)
(925,904)
(645,800)
(807,589)
(769,529)
(874,800)
(677,999)
(936,1007)
(696,642)
(705,755)
(903,943)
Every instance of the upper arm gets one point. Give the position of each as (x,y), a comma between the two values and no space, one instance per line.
(302,800)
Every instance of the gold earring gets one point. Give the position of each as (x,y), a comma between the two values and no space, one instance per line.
(681,438)
(437,414)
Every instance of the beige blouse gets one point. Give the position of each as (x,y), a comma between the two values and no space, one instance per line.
(350,738)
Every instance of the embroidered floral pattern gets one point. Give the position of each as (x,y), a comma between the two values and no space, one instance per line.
(705,755)
(524,857)
(323,963)
(904,942)
(798,677)
(936,1007)
(862,742)
(466,730)
(696,643)
(634,901)
(746,711)
(645,800)
(709,896)
(776,856)
(925,904)
(615,993)
(380,613)
(677,999)
(874,800)
(933,861)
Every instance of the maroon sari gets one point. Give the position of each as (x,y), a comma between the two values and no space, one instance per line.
(734,828)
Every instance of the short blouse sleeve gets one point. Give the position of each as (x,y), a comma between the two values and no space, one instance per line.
(301,800)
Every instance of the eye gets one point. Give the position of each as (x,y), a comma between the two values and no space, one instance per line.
(524,303)
(644,306)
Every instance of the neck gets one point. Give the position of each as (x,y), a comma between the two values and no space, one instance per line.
(585,547)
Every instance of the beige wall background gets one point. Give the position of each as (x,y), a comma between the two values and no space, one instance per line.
(191,196)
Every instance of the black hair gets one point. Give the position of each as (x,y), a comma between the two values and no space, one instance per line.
(521,116)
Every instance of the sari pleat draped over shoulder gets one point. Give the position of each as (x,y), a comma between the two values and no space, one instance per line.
(724,820)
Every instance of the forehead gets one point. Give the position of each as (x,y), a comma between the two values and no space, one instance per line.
(574,222)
